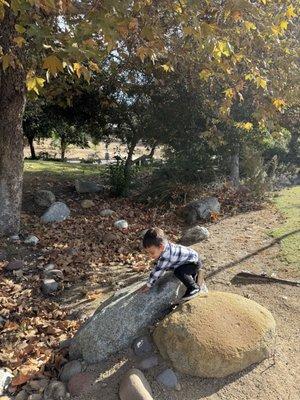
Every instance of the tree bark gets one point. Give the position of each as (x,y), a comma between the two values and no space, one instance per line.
(294,147)
(12,104)
(63,147)
(31,145)
(235,167)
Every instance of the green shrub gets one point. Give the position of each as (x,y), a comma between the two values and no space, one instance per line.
(120,178)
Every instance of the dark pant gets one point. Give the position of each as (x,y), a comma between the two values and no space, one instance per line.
(187,274)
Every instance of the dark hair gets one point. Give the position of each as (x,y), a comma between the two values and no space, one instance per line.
(154,237)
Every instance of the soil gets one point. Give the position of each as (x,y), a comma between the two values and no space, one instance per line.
(235,244)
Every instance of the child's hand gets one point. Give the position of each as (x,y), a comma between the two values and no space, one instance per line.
(144,289)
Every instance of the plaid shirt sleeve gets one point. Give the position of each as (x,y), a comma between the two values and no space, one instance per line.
(160,266)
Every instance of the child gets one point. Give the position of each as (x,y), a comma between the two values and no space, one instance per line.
(169,256)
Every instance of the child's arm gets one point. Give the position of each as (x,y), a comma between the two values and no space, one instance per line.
(156,272)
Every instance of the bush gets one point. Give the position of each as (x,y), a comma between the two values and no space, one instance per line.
(120,178)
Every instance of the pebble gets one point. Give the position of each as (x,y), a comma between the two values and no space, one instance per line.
(5,379)
(15,238)
(35,396)
(87,203)
(142,346)
(39,384)
(49,267)
(54,273)
(15,265)
(134,386)
(32,240)
(49,286)
(55,391)
(121,224)
(80,383)
(70,369)
(107,213)
(22,395)
(169,379)
(148,363)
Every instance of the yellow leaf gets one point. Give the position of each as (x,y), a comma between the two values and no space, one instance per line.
(229,93)
(94,67)
(283,25)
(34,83)
(205,74)
(290,12)
(249,25)
(53,64)
(260,82)
(19,28)
(7,61)
(249,77)
(246,126)
(19,40)
(177,8)
(167,67)
(278,103)
(77,68)
(222,48)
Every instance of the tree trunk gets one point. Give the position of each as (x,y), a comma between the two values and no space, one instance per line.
(235,167)
(63,147)
(12,104)
(31,145)
(294,147)
(128,162)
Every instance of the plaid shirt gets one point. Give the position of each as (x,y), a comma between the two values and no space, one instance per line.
(172,257)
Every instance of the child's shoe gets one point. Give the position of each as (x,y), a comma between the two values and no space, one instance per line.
(190,294)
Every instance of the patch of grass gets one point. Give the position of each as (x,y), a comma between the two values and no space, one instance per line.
(288,202)
(62,170)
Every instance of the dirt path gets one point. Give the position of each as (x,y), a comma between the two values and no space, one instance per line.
(236,243)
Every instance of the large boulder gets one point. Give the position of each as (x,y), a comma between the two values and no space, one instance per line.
(216,335)
(57,212)
(194,235)
(201,209)
(122,317)
(134,386)
(88,187)
(44,198)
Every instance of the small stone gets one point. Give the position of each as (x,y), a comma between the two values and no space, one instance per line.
(107,213)
(44,198)
(88,187)
(87,203)
(55,391)
(194,235)
(142,346)
(23,395)
(142,233)
(49,286)
(169,379)
(5,379)
(121,224)
(54,273)
(70,369)
(15,265)
(32,240)
(39,384)
(15,238)
(35,396)
(134,386)
(57,212)
(80,383)
(148,363)
(49,267)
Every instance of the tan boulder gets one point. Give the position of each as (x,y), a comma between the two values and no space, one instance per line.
(134,386)
(216,335)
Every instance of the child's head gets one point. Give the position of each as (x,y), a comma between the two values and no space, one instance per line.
(154,242)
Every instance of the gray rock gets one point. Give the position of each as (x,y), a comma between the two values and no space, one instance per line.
(57,212)
(121,224)
(201,209)
(142,346)
(142,233)
(54,273)
(49,286)
(32,240)
(109,237)
(44,198)
(194,235)
(120,319)
(80,383)
(169,379)
(15,238)
(107,213)
(49,267)
(88,187)
(70,369)
(148,363)
(35,396)
(55,391)
(134,386)
(5,379)
(15,265)
(22,395)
